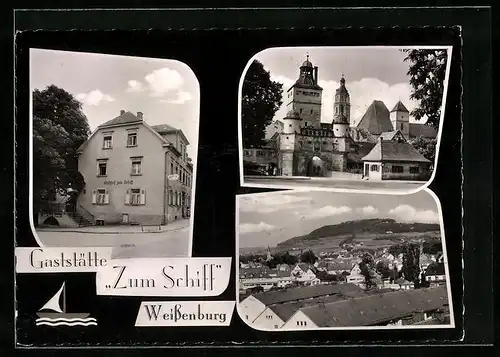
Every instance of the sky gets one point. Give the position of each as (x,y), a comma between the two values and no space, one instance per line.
(268,219)
(166,91)
(371,74)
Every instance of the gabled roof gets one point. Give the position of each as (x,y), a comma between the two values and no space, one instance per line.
(399,107)
(389,135)
(394,151)
(424,130)
(287,309)
(125,118)
(376,119)
(308,292)
(376,309)
(166,129)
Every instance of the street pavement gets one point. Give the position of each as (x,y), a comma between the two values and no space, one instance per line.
(172,240)
(336,183)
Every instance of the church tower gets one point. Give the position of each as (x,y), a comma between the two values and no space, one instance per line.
(400,119)
(341,116)
(303,98)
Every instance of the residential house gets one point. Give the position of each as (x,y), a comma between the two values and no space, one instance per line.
(303,273)
(398,308)
(355,276)
(336,268)
(134,173)
(436,274)
(252,306)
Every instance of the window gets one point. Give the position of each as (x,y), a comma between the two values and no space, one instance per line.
(269,317)
(414,170)
(135,196)
(300,111)
(178,198)
(132,138)
(107,141)
(136,166)
(170,197)
(171,168)
(102,168)
(176,169)
(289,125)
(311,111)
(374,168)
(260,153)
(100,196)
(397,169)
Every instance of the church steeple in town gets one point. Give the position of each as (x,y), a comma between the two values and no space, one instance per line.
(342,104)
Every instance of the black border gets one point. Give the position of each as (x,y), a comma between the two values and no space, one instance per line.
(476,102)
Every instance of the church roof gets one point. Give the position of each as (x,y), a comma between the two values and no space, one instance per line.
(376,118)
(123,118)
(394,151)
(424,130)
(399,107)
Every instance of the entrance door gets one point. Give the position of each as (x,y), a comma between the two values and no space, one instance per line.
(125,218)
(367,170)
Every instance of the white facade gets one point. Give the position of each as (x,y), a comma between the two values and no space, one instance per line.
(250,308)
(299,321)
(268,320)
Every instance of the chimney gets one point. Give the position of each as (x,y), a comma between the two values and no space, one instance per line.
(139,115)
(316,75)
(122,112)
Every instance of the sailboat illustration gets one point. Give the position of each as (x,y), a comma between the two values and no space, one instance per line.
(59,316)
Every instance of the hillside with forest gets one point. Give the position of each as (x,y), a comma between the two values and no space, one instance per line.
(378,228)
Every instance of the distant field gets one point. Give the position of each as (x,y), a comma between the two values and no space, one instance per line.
(369,240)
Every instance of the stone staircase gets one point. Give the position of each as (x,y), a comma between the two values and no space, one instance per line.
(80,219)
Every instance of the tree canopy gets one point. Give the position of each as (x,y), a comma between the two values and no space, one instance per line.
(425,146)
(411,262)
(261,99)
(59,128)
(427,73)
(308,257)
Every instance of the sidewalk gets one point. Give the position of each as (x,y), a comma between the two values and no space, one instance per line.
(123,229)
(257,177)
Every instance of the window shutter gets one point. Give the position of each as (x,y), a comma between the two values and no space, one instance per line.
(106,197)
(143,196)
(94,196)
(127,197)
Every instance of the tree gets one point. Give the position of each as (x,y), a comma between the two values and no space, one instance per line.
(324,276)
(308,257)
(425,146)
(383,269)
(367,267)
(261,99)
(411,262)
(427,72)
(59,128)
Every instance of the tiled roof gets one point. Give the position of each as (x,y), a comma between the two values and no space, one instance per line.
(339,266)
(307,292)
(375,309)
(393,151)
(163,128)
(255,272)
(287,309)
(424,130)
(376,119)
(399,107)
(389,135)
(125,118)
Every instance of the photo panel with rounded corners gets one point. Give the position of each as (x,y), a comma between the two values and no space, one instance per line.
(346,119)
(113,151)
(315,260)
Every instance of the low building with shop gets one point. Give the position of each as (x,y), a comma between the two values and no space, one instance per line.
(135,173)
(393,158)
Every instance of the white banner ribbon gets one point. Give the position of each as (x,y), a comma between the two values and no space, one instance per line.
(185,313)
(164,277)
